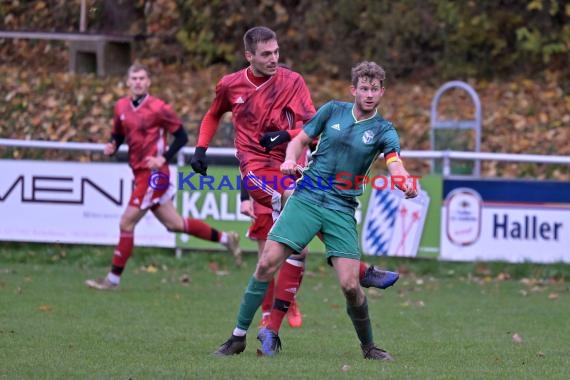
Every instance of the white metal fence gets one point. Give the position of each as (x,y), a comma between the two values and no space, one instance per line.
(446,156)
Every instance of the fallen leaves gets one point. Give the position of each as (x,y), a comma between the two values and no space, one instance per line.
(185,279)
(45,308)
(503,276)
(413,304)
(149,269)
(57,106)
(517,338)
(535,285)
(215,268)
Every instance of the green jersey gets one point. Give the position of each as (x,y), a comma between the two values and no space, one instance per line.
(346,149)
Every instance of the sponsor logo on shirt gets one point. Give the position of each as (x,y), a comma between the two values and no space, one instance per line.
(239,100)
(336,126)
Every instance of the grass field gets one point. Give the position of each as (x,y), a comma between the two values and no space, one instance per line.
(440,321)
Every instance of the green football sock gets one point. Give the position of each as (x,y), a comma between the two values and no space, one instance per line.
(361,321)
(252,299)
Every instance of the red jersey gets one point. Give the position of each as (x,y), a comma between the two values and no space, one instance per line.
(145,127)
(282,102)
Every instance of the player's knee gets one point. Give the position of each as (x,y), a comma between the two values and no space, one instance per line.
(126,225)
(172,227)
(265,268)
(350,288)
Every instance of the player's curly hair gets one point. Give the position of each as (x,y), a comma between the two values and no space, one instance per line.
(256,35)
(370,70)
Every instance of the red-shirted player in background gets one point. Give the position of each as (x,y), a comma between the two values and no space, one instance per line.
(269,103)
(144,121)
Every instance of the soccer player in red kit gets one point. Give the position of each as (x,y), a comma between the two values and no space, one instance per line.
(269,103)
(261,223)
(264,97)
(144,121)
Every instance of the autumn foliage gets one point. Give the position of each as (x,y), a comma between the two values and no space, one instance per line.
(521,113)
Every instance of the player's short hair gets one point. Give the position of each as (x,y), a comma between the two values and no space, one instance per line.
(256,35)
(138,67)
(370,70)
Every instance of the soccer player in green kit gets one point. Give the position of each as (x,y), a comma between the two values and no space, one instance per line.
(352,135)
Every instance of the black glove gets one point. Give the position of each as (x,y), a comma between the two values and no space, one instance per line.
(272,139)
(198,162)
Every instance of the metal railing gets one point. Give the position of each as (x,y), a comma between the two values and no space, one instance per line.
(446,156)
(62,36)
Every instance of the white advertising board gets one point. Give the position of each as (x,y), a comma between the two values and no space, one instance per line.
(69,202)
(515,221)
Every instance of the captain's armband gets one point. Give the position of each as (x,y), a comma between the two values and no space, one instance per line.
(392,157)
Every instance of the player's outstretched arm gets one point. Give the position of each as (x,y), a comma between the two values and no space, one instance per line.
(294,150)
(402,179)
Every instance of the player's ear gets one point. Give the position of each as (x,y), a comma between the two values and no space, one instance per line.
(248,56)
(353,90)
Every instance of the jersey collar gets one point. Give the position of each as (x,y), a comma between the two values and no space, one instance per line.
(363,120)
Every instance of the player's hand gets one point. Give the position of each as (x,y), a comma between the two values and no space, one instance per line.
(408,189)
(154,163)
(289,167)
(272,139)
(246,208)
(198,163)
(110,148)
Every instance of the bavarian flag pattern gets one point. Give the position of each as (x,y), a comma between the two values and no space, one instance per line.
(393,225)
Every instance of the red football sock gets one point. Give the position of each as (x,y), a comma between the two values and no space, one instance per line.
(268,300)
(286,287)
(201,230)
(123,251)
(362,270)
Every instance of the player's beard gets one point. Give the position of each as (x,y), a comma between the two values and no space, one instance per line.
(267,70)
(367,107)
(270,70)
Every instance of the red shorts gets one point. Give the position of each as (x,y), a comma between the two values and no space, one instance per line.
(260,227)
(266,185)
(151,189)
(260,209)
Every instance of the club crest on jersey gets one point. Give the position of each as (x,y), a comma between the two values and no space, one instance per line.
(367,137)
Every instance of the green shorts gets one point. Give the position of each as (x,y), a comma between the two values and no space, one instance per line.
(301,220)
